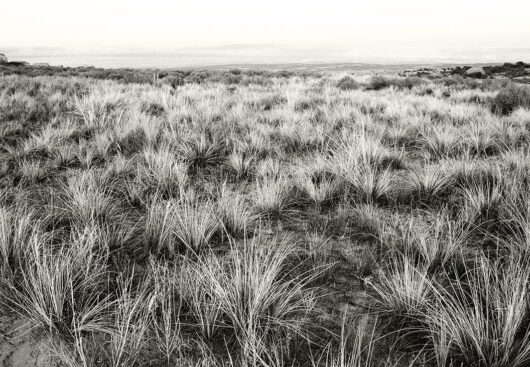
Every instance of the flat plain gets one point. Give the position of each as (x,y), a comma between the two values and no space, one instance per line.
(264,218)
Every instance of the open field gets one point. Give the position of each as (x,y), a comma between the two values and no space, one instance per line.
(264,219)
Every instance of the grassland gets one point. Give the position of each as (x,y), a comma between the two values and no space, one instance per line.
(266,220)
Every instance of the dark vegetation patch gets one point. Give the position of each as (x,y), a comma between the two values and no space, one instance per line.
(510,98)
(174,78)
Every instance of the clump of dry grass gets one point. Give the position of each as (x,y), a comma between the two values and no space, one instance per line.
(33,172)
(235,213)
(404,289)
(195,223)
(481,319)
(273,198)
(163,171)
(430,184)
(268,168)
(62,292)
(365,165)
(186,224)
(65,156)
(159,224)
(131,320)
(241,164)
(440,144)
(317,182)
(355,349)
(437,245)
(198,296)
(100,108)
(253,291)
(367,219)
(86,199)
(482,202)
(483,140)
(166,313)
(199,152)
(18,229)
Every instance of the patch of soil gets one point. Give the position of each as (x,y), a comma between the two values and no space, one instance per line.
(19,346)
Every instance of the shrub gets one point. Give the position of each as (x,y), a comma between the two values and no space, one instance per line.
(268,102)
(428,92)
(411,82)
(152,109)
(510,98)
(347,83)
(308,104)
(378,83)
(174,81)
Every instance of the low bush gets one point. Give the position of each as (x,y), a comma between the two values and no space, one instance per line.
(347,83)
(511,98)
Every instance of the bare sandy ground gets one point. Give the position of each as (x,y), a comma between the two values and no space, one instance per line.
(19,346)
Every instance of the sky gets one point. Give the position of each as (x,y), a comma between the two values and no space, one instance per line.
(284,30)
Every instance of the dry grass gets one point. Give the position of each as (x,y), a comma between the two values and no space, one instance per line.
(482,318)
(196,224)
(255,293)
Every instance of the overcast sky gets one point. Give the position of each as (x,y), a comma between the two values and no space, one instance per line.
(405,29)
